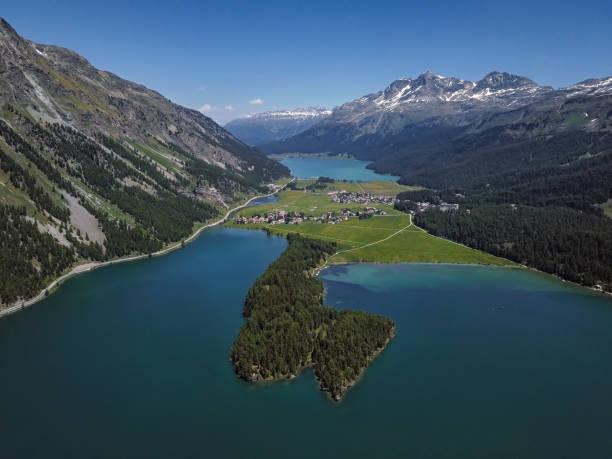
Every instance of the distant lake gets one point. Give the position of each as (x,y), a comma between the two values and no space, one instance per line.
(339,169)
(131,361)
(266,200)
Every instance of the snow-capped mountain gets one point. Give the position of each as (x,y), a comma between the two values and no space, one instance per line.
(426,110)
(590,87)
(430,95)
(257,128)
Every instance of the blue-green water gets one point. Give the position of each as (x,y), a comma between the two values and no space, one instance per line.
(131,361)
(339,169)
(266,200)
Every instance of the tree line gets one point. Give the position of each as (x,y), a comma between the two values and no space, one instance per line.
(533,199)
(572,244)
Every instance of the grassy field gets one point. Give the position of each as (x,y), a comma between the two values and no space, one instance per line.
(315,204)
(11,196)
(417,246)
(384,188)
(386,239)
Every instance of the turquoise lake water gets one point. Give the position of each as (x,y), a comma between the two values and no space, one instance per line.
(131,361)
(339,169)
(266,200)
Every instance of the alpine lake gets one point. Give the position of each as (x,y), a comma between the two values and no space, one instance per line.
(131,360)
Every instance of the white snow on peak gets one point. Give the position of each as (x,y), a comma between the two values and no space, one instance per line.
(592,87)
(298,113)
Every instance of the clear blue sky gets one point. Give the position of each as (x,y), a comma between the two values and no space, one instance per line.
(287,54)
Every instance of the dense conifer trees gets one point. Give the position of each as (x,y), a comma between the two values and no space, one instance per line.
(288,327)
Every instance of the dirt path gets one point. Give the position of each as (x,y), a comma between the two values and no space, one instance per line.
(369,244)
(93,265)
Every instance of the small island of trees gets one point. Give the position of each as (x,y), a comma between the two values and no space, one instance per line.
(287,327)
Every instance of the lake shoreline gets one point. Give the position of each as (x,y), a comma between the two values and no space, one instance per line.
(336,167)
(282,156)
(517,267)
(90,266)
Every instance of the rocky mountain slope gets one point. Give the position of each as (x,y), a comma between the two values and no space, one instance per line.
(426,111)
(54,84)
(265,127)
(94,167)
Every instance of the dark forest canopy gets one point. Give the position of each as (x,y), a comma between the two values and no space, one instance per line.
(21,243)
(572,244)
(535,199)
(288,328)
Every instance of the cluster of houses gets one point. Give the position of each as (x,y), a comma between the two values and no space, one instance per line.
(294,218)
(274,186)
(345,197)
(443,206)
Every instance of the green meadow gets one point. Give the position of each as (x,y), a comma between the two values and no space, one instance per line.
(385,239)
(391,238)
(383,188)
(312,203)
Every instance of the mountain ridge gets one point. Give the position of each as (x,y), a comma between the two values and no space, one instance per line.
(256,128)
(423,109)
(58,85)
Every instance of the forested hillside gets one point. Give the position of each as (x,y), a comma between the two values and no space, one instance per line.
(287,327)
(533,190)
(94,167)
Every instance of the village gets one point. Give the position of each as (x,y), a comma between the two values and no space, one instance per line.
(443,206)
(345,197)
(294,218)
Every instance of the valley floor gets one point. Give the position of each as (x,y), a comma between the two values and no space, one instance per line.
(385,239)
(390,238)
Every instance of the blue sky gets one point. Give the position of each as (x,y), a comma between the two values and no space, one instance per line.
(234,57)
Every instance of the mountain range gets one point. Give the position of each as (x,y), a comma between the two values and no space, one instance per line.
(258,128)
(429,111)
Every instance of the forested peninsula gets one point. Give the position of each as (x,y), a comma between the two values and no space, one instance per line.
(287,327)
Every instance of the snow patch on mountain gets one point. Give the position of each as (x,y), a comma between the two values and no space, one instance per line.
(264,127)
(298,113)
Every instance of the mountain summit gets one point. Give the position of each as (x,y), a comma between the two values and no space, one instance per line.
(503,80)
